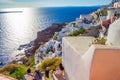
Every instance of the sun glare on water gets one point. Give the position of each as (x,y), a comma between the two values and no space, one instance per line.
(20,26)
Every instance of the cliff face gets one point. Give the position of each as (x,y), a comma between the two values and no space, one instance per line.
(44,36)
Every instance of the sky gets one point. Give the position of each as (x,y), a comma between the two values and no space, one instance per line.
(51,3)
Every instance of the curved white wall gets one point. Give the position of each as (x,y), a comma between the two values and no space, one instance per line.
(113,37)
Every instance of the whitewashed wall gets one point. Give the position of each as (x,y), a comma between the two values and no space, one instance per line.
(77,65)
(113,37)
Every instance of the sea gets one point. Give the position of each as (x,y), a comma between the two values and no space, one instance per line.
(20,25)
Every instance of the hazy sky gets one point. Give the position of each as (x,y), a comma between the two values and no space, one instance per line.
(42,3)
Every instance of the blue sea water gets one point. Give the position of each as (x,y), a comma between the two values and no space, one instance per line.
(20,25)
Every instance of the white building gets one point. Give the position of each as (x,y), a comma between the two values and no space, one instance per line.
(102,18)
(112,11)
(87,17)
(85,62)
(74,48)
(113,37)
(115,10)
(116,4)
(37,58)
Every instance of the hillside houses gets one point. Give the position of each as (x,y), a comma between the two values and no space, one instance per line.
(87,61)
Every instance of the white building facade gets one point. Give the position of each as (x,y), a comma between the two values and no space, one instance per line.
(113,37)
(112,12)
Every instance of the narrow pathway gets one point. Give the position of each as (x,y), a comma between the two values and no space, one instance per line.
(4,77)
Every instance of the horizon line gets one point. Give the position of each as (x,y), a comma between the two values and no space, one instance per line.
(54,6)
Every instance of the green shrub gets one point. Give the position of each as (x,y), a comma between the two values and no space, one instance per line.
(9,69)
(81,30)
(77,32)
(103,12)
(19,73)
(100,41)
(30,62)
(52,63)
(14,70)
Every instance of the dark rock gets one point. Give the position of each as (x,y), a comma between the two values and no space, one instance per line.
(24,60)
(93,31)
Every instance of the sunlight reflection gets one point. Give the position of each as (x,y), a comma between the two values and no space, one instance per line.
(21,27)
(19,23)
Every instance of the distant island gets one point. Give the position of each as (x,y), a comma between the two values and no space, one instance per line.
(2,12)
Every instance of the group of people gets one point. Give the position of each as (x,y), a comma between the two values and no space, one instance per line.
(30,76)
(57,74)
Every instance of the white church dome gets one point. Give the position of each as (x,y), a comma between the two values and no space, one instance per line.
(113,37)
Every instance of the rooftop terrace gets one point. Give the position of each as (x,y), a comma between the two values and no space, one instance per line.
(85,61)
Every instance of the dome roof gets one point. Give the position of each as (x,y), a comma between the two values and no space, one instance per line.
(113,37)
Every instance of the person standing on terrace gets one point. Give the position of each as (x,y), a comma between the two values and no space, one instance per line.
(28,75)
(59,73)
(38,75)
(48,74)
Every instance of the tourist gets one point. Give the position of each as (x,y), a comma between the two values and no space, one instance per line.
(48,74)
(28,75)
(59,72)
(61,67)
(38,75)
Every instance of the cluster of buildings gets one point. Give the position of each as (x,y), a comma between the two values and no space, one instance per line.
(87,61)
(82,59)
(53,48)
